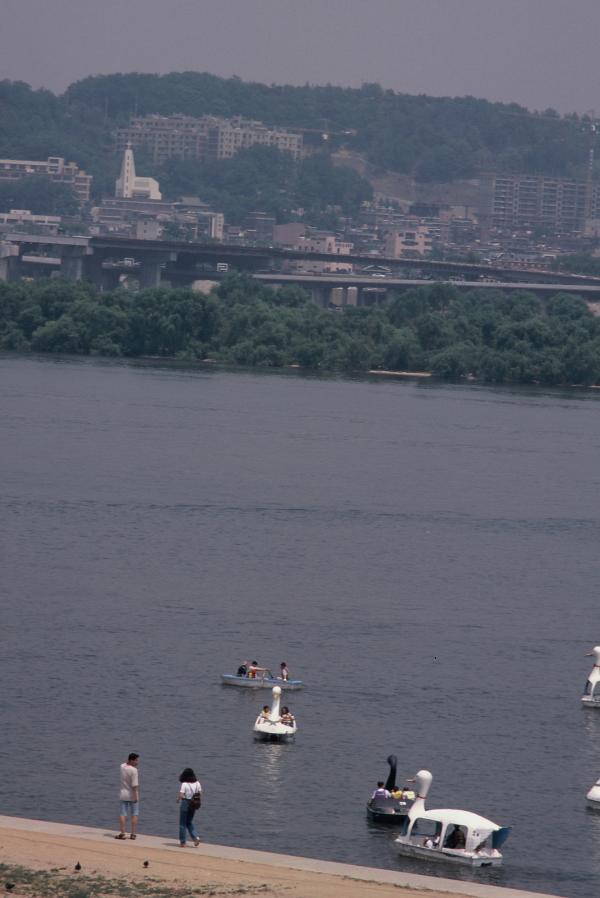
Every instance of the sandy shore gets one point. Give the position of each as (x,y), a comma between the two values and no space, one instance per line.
(209,869)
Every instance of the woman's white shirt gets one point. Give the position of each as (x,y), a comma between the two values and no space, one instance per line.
(188,790)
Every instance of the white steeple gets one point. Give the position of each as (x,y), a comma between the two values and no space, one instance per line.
(126,182)
(129,185)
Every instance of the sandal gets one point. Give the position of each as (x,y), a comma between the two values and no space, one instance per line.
(133,836)
(121,836)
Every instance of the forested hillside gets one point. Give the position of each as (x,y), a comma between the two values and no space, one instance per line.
(433,138)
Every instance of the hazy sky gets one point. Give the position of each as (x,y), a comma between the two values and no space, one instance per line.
(536,52)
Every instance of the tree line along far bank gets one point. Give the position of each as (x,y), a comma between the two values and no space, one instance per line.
(492,336)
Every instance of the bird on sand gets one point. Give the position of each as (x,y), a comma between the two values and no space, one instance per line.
(146,863)
(78,866)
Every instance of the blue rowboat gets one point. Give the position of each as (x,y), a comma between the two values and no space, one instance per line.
(263,681)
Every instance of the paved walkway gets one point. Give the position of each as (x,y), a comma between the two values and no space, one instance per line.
(288,861)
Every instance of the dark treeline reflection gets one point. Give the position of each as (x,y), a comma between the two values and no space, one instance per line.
(498,338)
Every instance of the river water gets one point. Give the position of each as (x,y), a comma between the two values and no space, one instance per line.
(424,556)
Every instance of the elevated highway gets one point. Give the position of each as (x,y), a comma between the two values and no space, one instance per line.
(354,290)
(104,260)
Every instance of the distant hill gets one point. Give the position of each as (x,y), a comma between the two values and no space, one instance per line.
(431,139)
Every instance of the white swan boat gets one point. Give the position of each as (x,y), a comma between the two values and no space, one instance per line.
(273,728)
(447,834)
(591,693)
(593,796)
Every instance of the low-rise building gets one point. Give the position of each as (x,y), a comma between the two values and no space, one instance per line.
(54,167)
(410,241)
(322,243)
(17,218)
(188,218)
(288,234)
(259,227)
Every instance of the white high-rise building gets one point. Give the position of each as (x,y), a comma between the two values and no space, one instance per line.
(130,186)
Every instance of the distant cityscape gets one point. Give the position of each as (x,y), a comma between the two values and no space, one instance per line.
(516,220)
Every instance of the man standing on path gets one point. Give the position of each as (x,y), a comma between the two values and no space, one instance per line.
(129,795)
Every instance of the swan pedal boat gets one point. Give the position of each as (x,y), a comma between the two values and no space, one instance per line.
(593,797)
(435,834)
(273,728)
(389,810)
(591,693)
(260,682)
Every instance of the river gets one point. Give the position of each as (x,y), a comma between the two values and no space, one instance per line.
(424,556)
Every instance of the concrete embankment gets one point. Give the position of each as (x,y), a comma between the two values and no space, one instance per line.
(57,847)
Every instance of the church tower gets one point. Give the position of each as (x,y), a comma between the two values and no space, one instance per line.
(126,182)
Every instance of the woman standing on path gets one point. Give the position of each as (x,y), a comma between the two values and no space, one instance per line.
(189,798)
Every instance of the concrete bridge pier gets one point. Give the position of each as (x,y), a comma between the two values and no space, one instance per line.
(352,296)
(341,297)
(149,274)
(371,296)
(151,265)
(103,279)
(10,268)
(319,294)
(71,267)
(10,263)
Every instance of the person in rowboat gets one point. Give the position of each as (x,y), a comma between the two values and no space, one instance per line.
(254,670)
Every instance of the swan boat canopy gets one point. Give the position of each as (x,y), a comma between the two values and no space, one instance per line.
(381,809)
(449,834)
(273,728)
(593,796)
(591,693)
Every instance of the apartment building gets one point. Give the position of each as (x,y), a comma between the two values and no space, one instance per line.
(413,239)
(229,137)
(54,167)
(166,137)
(206,138)
(560,204)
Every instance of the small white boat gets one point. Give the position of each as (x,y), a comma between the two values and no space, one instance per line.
(447,834)
(273,728)
(591,693)
(593,796)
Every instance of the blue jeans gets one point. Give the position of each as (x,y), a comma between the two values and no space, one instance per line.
(129,809)
(186,820)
